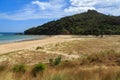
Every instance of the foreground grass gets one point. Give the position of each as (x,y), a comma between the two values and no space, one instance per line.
(77,73)
(104,65)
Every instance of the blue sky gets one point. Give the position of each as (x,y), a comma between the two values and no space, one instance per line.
(19,15)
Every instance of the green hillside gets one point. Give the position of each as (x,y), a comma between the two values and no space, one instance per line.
(87,23)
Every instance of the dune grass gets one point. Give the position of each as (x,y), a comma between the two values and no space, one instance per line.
(85,46)
(76,73)
(104,65)
(100,60)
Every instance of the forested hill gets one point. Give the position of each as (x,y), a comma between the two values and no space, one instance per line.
(87,23)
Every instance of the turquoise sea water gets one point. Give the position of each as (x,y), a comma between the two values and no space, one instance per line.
(12,37)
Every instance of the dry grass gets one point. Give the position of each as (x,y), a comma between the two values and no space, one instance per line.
(85,74)
(27,57)
(107,57)
(81,48)
(86,46)
(100,60)
(102,66)
(75,73)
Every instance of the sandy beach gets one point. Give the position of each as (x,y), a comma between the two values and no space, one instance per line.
(5,48)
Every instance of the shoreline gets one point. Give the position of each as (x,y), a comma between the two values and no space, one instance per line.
(28,44)
(33,37)
(17,41)
(46,36)
(49,39)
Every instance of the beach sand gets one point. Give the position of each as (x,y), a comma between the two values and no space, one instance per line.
(5,48)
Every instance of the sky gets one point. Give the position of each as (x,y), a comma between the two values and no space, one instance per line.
(19,15)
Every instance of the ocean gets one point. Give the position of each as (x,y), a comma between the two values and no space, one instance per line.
(13,37)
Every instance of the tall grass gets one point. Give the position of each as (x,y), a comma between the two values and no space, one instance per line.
(107,57)
(76,73)
(99,66)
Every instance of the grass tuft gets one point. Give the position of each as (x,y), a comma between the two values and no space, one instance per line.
(38,68)
(19,68)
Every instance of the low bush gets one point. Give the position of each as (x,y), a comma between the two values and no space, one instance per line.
(19,68)
(38,68)
(55,61)
(39,48)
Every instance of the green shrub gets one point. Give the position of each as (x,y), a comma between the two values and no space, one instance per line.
(57,60)
(38,68)
(19,68)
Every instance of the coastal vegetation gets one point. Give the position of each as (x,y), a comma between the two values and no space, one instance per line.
(79,41)
(98,66)
(90,58)
(87,23)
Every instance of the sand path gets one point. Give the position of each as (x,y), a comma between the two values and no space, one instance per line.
(71,56)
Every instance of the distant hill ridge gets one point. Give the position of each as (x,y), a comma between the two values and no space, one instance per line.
(87,23)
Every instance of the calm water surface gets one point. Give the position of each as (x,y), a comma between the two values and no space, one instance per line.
(12,37)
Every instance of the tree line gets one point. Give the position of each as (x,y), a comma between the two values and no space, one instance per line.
(87,23)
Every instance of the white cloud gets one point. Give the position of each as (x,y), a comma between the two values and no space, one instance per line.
(54,9)
(109,7)
(80,5)
(37,10)
(51,5)
(110,10)
(23,14)
(42,5)
(78,9)
(104,6)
